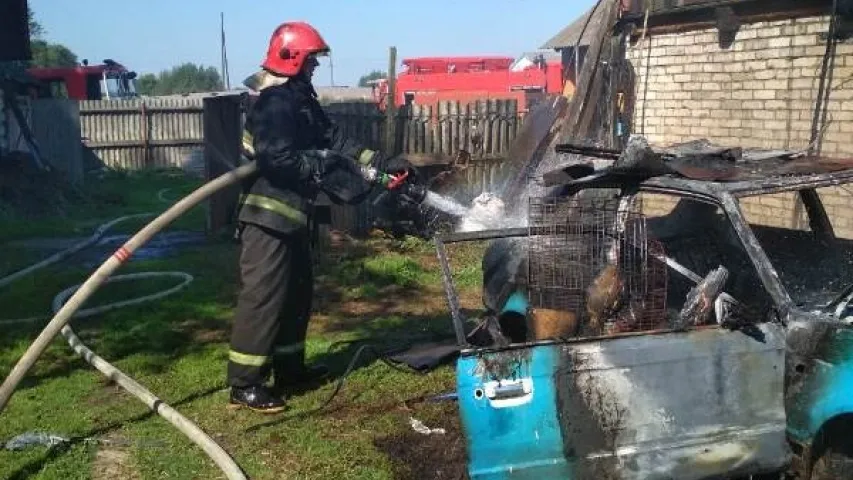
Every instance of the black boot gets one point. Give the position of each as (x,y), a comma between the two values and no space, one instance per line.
(256,397)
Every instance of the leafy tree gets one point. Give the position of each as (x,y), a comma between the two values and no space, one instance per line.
(146,84)
(51,55)
(46,54)
(184,78)
(374,75)
(36,29)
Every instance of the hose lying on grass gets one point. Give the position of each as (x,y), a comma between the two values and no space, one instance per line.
(64,311)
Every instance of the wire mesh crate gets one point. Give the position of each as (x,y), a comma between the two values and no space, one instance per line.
(591,258)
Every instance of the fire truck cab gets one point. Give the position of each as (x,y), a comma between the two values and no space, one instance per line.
(107,81)
(430,80)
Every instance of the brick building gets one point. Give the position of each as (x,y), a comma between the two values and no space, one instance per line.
(745,73)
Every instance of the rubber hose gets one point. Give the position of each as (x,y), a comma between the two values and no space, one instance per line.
(64,314)
(216,453)
(187,427)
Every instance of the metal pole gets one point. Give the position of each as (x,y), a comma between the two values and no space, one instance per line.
(332,68)
(450,292)
(390,105)
(225,76)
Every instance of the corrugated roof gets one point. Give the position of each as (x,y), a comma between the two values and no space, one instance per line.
(548,54)
(568,37)
(345,93)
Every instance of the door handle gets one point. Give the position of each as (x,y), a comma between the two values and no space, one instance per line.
(509,393)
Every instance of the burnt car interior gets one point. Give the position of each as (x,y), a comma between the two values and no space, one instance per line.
(606,271)
(816,267)
(701,238)
(593,262)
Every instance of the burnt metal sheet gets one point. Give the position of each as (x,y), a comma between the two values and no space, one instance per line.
(685,406)
(725,168)
(730,174)
(530,144)
(689,405)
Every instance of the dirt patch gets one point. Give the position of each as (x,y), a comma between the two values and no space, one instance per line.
(113,460)
(110,393)
(205,331)
(29,192)
(417,456)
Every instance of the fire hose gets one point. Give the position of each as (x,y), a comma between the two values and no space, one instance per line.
(65,310)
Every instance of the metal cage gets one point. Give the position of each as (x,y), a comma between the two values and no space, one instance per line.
(591,258)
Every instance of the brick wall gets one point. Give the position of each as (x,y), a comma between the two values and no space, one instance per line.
(760,92)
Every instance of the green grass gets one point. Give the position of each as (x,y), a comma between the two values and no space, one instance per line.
(101,199)
(381,292)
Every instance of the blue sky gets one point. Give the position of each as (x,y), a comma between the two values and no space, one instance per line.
(153,35)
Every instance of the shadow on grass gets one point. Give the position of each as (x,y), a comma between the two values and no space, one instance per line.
(375,343)
(368,280)
(44,209)
(35,466)
(367,292)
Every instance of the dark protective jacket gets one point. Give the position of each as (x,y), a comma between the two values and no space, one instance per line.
(284,129)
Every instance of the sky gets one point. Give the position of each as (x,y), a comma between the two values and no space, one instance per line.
(154,35)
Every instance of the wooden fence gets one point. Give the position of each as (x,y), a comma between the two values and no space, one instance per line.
(484,128)
(432,138)
(145,133)
(168,132)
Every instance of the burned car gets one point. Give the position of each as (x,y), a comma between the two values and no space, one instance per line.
(652,324)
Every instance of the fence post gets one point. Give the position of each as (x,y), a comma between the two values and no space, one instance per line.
(145,127)
(222,125)
(430,128)
(390,104)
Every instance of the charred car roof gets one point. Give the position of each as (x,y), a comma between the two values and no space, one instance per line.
(703,170)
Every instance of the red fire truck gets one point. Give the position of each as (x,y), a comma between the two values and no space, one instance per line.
(110,80)
(429,80)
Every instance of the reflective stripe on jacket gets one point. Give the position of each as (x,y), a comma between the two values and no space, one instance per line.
(285,121)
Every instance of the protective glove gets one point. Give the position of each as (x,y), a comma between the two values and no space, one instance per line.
(318,162)
(340,177)
(397,165)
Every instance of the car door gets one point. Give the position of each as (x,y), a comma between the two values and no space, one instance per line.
(656,404)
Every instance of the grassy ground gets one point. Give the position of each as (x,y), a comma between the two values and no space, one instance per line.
(377,291)
(115,194)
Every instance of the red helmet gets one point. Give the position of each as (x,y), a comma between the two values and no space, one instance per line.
(290,45)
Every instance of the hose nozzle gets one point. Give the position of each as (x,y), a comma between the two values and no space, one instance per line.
(413,192)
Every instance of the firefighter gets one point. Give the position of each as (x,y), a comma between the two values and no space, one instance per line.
(295,145)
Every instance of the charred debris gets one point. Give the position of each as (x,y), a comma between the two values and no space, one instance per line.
(589,264)
(586,262)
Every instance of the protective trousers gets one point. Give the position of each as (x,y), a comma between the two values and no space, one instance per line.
(273,307)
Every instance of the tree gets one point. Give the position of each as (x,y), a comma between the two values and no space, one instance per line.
(36,29)
(146,84)
(374,75)
(184,78)
(51,55)
(46,54)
